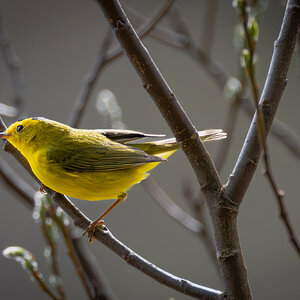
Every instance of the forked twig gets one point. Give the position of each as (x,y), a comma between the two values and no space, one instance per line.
(132,258)
(14,66)
(106,56)
(249,68)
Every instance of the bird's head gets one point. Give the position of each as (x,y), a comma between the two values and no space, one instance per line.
(28,134)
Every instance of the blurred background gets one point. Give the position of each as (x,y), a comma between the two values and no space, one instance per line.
(57,42)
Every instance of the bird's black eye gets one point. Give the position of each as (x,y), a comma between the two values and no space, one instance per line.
(20,128)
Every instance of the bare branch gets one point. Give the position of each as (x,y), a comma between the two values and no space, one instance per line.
(209,24)
(170,207)
(104,58)
(250,69)
(219,75)
(275,83)
(197,204)
(96,278)
(14,66)
(17,184)
(133,259)
(91,78)
(222,210)
(161,33)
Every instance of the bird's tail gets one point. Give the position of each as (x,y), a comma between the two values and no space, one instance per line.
(165,148)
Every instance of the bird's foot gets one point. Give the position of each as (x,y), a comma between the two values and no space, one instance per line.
(43,189)
(90,230)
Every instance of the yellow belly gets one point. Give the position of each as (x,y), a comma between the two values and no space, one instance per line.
(89,185)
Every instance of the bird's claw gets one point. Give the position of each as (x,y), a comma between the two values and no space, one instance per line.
(90,230)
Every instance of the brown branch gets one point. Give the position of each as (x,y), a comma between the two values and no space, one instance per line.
(65,230)
(223,211)
(219,75)
(23,189)
(161,33)
(53,258)
(96,278)
(133,259)
(250,69)
(275,83)
(208,25)
(13,64)
(176,213)
(105,56)
(38,277)
(197,204)
(27,194)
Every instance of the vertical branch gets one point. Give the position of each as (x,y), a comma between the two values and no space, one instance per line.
(208,25)
(14,66)
(249,67)
(86,90)
(105,56)
(223,211)
(89,263)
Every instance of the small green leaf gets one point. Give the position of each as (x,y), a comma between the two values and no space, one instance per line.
(245,58)
(238,4)
(23,256)
(253,29)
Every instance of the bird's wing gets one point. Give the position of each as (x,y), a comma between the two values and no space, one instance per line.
(123,136)
(97,159)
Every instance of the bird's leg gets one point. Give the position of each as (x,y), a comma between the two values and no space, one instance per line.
(99,222)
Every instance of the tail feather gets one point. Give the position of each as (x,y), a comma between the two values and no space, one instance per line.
(171,145)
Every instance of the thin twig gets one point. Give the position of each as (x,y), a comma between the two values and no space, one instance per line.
(65,230)
(261,132)
(54,264)
(170,207)
(223,212)
(197,204)
(162,33)
(14,66)
(229,127)
(269,101)
(91,78)
(105,56)
(133,259)
(219,75)
(88,262)
(26,192)
(17,184)
(208,25)
(37,276)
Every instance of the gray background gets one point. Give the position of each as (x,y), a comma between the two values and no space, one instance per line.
(57,42)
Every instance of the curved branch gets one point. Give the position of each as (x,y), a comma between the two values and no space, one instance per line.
(246,164)
(105,57)
(106,237)
(219,75)
(14,66)
(223,212)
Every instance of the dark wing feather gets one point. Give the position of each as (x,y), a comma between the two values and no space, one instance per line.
(97,159)
(123,136)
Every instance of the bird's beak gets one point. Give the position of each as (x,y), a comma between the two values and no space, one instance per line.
(4,135)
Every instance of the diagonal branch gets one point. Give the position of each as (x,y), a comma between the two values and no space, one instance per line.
(223,211)
(170,207)
(14,66)
(250,69)
(219,75)
(246,164)
(106,237)
(104,57)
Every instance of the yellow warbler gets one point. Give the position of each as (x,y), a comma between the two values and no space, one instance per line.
(91,164)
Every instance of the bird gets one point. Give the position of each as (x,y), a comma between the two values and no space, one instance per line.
(91,164)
